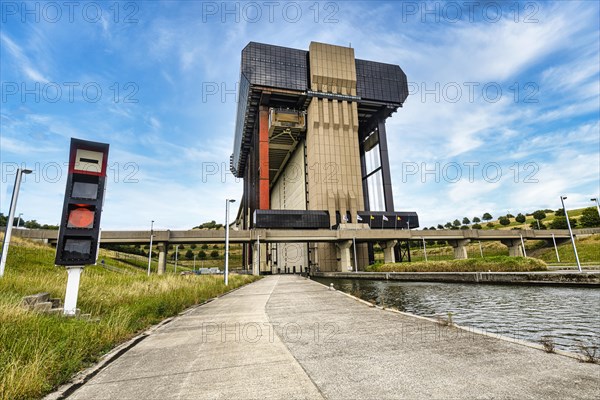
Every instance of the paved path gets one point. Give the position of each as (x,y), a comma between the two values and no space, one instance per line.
(286,337)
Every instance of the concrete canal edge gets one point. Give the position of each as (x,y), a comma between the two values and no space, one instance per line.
(561,278)
(468,329)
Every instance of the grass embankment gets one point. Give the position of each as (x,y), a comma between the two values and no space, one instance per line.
(588,250)
(494,264)
(39,352)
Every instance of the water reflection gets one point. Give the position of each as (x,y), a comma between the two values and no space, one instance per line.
(570,316)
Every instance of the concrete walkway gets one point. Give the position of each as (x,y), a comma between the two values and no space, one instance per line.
(286,337)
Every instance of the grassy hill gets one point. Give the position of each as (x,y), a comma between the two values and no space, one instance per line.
(588,249)
(573,214)
(38,352)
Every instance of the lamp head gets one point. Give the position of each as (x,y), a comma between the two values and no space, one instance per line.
(26,171)
(594,199)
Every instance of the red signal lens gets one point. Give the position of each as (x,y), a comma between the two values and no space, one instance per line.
(81,217)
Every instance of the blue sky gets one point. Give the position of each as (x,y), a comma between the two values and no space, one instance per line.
(503,114)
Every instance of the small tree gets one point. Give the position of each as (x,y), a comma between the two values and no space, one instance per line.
(504,221)
(476,220)
(202,255)
(476,226)
(561,223)
(204,246)
(440,226)
(193,246)
(33,224)
(464,227)
(490,225)
(589,218)
(456,223)
(432,228)
(448,225)
(487,217)
(189,254)
(534,225)
(559,213)
(214,254)
(509,215)
(466,221)
(539,215)
(520,218)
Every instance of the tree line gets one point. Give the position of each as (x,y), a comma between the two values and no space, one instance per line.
(589,219)
(32,224)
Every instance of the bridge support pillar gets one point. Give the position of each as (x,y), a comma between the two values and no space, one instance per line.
(162,258)
(389,255)
(460,251)
(514,247)
(256,258)
(345,263)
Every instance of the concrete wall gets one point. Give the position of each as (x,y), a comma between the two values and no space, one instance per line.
(333,156)
(289,193)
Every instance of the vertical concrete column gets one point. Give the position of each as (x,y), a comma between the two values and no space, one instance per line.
(162,258)
(345,263)
(514,247)
(263,151)
(460,251)
(256,261)
(332,146)
(388,251)
(385,167)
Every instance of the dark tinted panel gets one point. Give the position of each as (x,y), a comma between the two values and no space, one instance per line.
(77,249)
(291,219)
(84,190)
(378,81)
(275,66)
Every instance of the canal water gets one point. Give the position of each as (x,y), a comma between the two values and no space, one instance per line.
(570,316)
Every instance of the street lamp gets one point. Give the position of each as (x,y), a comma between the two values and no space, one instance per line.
(11,217)
(597,204)
(562,200)
(19,220)
(227,201)
(150,252)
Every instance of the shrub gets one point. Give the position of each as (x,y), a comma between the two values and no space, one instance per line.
(504,221)
(561,223)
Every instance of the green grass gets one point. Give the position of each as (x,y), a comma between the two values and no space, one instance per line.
(588,250)
(494,264)
(39,352)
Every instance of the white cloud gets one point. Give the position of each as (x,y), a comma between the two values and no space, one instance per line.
(21,60)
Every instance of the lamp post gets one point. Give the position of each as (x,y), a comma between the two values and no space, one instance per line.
(562,200)
(597,204)
(11,217)
(150,251)
(227,201)
(19,220)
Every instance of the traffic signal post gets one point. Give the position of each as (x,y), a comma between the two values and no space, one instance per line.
(79,235)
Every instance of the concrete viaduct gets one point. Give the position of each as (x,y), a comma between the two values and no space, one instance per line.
(342,237)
